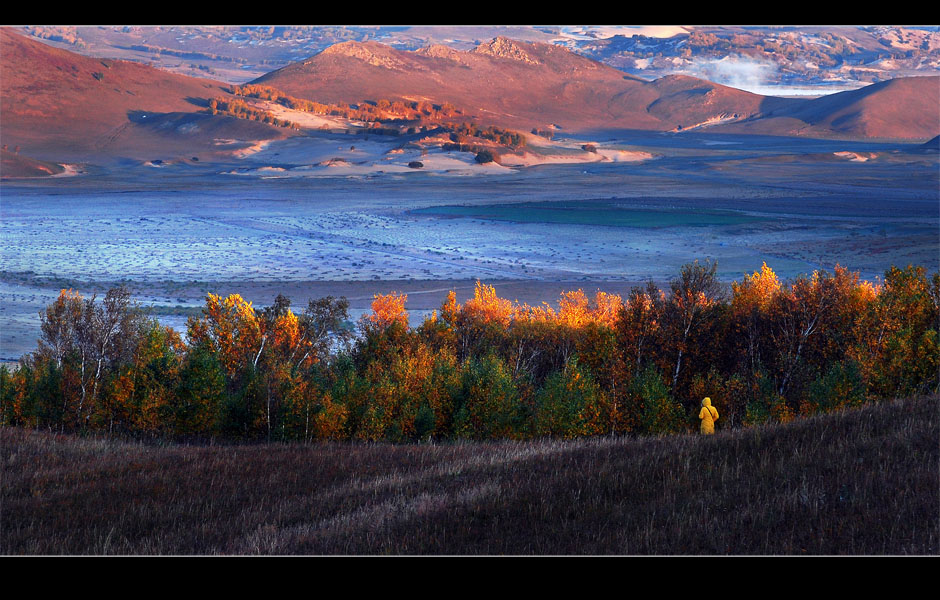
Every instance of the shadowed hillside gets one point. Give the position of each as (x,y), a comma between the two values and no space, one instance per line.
(903,108)
(864,481)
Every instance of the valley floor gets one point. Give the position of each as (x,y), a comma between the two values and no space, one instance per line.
(177,231)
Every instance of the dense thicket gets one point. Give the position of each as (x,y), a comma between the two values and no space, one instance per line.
(490,368)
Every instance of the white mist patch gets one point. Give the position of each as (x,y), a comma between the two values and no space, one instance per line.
(813,91)
(735,71)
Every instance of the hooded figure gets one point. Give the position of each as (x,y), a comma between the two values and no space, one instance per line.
(708,415)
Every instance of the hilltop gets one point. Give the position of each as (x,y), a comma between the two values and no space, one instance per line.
(14,165)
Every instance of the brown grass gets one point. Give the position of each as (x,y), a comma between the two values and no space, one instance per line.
(864,481)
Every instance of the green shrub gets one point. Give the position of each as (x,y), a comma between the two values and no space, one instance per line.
(661,414)
(569,405)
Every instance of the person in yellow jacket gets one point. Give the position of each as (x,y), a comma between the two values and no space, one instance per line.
(708,415)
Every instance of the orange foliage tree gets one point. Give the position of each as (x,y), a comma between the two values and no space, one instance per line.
(490,368)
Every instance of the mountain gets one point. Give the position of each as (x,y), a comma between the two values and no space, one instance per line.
(60,105)
(510,83)
(766,55)
(530,84)
(746,57)
(57,105)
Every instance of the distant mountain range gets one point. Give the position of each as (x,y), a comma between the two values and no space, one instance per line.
(56,102)
(754,58)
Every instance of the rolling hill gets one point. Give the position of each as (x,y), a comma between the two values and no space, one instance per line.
(530,84)
(902,108)
(511,83)
(59,105)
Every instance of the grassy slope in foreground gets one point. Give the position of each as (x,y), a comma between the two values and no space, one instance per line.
(860,482)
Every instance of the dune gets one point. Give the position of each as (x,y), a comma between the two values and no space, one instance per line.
(364,160)
(625,155)
(545,157)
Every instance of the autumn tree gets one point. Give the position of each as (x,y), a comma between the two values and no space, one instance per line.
(196,407)
(481,323)
(898,341)
(693,293)
(138,395)
(87,339)
(638,326)
(488,405)
(797,316)
(235,335)
(750,304)
(296,345)
(654,409)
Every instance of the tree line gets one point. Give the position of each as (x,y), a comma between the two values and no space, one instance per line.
(241,110)
(380,110)
(376,113)
(765,350)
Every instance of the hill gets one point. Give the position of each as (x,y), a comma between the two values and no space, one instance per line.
(64,107)
(748,56)
(59,105)
(903,108)
(529,85)
(511,83)
(864,481)
(15,165)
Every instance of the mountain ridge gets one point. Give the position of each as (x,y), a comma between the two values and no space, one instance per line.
(59,105)
(533,85)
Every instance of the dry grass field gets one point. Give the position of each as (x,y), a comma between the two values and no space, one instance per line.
(859,482)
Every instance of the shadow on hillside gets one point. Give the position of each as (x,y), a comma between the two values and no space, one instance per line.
(200,102)
(142,116)
(778,107)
